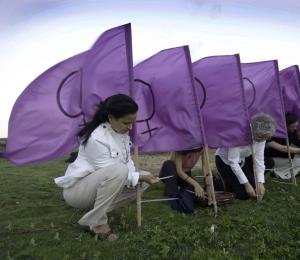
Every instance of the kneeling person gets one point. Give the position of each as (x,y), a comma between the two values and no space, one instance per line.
(180,183)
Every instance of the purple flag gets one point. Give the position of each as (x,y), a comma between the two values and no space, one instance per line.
(220,90)
(110,64)
(263,92)
(169,117)
(290,83)
(48,114)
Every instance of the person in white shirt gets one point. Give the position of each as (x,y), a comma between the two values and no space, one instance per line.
(103,175)
(235,163)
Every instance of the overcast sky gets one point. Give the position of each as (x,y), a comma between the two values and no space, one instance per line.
(36,34)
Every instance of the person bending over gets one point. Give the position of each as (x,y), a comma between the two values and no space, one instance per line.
(235,163)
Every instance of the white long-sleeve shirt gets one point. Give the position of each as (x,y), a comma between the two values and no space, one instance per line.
(105,147)
(235,158)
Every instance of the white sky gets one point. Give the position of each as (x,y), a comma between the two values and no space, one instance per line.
(36,34)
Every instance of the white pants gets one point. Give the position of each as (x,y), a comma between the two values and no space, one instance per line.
(100,191)
(282,167)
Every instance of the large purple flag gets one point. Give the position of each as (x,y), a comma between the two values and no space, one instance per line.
(108,68)
(220,90)
(290,83)
(263,92)
(49,113)
(169,116)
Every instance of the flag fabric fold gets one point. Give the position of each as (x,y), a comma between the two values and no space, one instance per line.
(263,92)
(220,90)
(108,68)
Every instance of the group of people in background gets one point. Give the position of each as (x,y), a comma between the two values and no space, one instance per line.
(103,175)
(235,164)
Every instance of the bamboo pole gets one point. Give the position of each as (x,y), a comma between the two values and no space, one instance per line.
(293,179)
(206,158)
(138,189)
(282,182)
(157,200)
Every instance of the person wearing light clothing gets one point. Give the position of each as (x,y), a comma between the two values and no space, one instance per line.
(103,175)
(235,163)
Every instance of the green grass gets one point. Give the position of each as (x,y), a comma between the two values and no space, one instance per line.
(35,223)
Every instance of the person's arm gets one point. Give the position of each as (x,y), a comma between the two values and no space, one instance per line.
(260,161)
(234,158)
(283,148)
(205,168)
(98,154)
(260,167)
(205,171)
(199,192)
(134,177)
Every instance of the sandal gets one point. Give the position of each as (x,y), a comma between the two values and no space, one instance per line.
(102,236)
(106,236)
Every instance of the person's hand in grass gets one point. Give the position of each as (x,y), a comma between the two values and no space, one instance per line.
(199,192)
(250,191)
(261,189)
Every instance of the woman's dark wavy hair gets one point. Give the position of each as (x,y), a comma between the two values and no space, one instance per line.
(117,105)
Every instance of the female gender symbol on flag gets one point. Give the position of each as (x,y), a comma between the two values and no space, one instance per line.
(224,112)
(164,91)
(48,114)
(268,94)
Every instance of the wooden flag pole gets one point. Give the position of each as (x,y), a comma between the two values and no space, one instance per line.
(291,163)
(138,188)
(206,158)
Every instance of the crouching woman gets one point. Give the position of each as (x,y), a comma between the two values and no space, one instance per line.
(103,175)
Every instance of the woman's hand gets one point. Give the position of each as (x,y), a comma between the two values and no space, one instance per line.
(249,189)
(261,189)
(199,192)
(148,177)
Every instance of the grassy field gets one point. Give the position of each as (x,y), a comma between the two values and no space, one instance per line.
(35,223)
